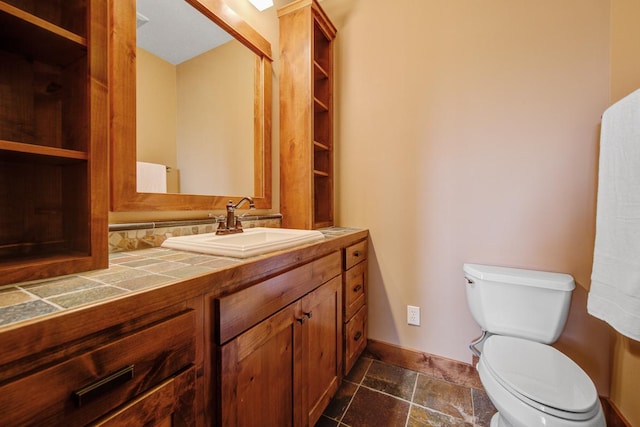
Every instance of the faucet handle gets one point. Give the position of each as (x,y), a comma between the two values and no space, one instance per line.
(222,225)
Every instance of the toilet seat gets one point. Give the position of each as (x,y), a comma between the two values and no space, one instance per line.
(541,376)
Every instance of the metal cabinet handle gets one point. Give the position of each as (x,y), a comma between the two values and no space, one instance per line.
(357,288)
(93,390)
(308,315)
(356,254)
(357,336)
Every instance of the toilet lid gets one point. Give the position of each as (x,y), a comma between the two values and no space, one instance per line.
(541,376)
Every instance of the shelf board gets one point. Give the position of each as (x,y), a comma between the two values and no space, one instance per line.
(24,33)
(320,146)
(42,152)
(319,72)
(319,106)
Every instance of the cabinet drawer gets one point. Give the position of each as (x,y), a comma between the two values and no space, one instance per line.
(170,403)
(355,280)
(355,336)
(241,310)
(87,386)
(355,254)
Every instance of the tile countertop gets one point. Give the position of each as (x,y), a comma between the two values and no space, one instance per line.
(128,273)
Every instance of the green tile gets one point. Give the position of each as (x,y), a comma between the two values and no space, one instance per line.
(145,282)
(27,310)
(86,296)
(61,286)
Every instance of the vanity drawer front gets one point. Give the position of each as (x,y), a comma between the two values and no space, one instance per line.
(241,310)
(355,254)
(87,386)
(168,404)
(355,336)
(355,280)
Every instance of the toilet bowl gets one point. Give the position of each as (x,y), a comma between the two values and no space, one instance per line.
(529,382)
(533,384)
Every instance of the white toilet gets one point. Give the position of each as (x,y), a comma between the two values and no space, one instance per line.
(529,382)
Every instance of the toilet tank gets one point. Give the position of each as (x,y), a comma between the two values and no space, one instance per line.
(521,303)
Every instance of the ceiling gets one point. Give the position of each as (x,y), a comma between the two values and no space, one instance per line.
(175,31)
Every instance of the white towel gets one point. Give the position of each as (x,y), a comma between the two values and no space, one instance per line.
(615,279)
(151,177)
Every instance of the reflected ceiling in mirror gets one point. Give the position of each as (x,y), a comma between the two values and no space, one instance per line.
(254,161)
(195,103)
(175,31)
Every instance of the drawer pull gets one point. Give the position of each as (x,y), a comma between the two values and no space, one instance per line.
(357,288)
(356,254)
(357,336)
(103,385)
(309,314)
(300,320)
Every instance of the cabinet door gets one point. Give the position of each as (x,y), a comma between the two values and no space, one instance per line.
(169,404)
(258,372)
(322,341)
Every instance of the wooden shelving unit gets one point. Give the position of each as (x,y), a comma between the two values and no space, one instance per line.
(306,115)
(53,138)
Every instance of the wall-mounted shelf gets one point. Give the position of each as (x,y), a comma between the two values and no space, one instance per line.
(53,138)
(306,115)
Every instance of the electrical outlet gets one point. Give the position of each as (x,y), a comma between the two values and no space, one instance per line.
(413,315)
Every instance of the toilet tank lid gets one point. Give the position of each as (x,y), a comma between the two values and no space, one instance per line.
(518,276)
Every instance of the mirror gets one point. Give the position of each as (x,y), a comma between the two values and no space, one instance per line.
(195,98)
(246,165)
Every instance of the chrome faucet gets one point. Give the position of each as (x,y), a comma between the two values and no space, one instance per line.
(232,224)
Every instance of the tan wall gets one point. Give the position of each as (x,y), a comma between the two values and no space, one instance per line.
(625,78)
(215,121)
(467,132)
(156,109)
(196,123)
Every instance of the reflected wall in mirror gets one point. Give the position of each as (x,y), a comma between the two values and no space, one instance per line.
(195,103)
(202,119)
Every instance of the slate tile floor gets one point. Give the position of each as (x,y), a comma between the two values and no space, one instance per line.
(377,394)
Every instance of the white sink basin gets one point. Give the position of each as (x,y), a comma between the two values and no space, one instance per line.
(251,242)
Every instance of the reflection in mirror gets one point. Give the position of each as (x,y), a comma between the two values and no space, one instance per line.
(195,103)
(253,161)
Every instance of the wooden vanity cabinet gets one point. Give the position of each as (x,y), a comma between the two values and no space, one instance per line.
(53,138)
(283,370)
(354,279)
(306,115)
(143,377)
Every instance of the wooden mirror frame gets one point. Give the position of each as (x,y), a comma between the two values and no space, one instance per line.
(122,104)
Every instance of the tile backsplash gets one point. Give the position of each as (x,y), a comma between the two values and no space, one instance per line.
(134,236)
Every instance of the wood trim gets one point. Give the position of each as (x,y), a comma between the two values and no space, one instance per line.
(122,53)
(231,22)
(612,414)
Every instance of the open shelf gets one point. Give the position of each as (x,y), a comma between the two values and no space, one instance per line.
(306,119)
(53,138)
(19,150)
(38,39)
